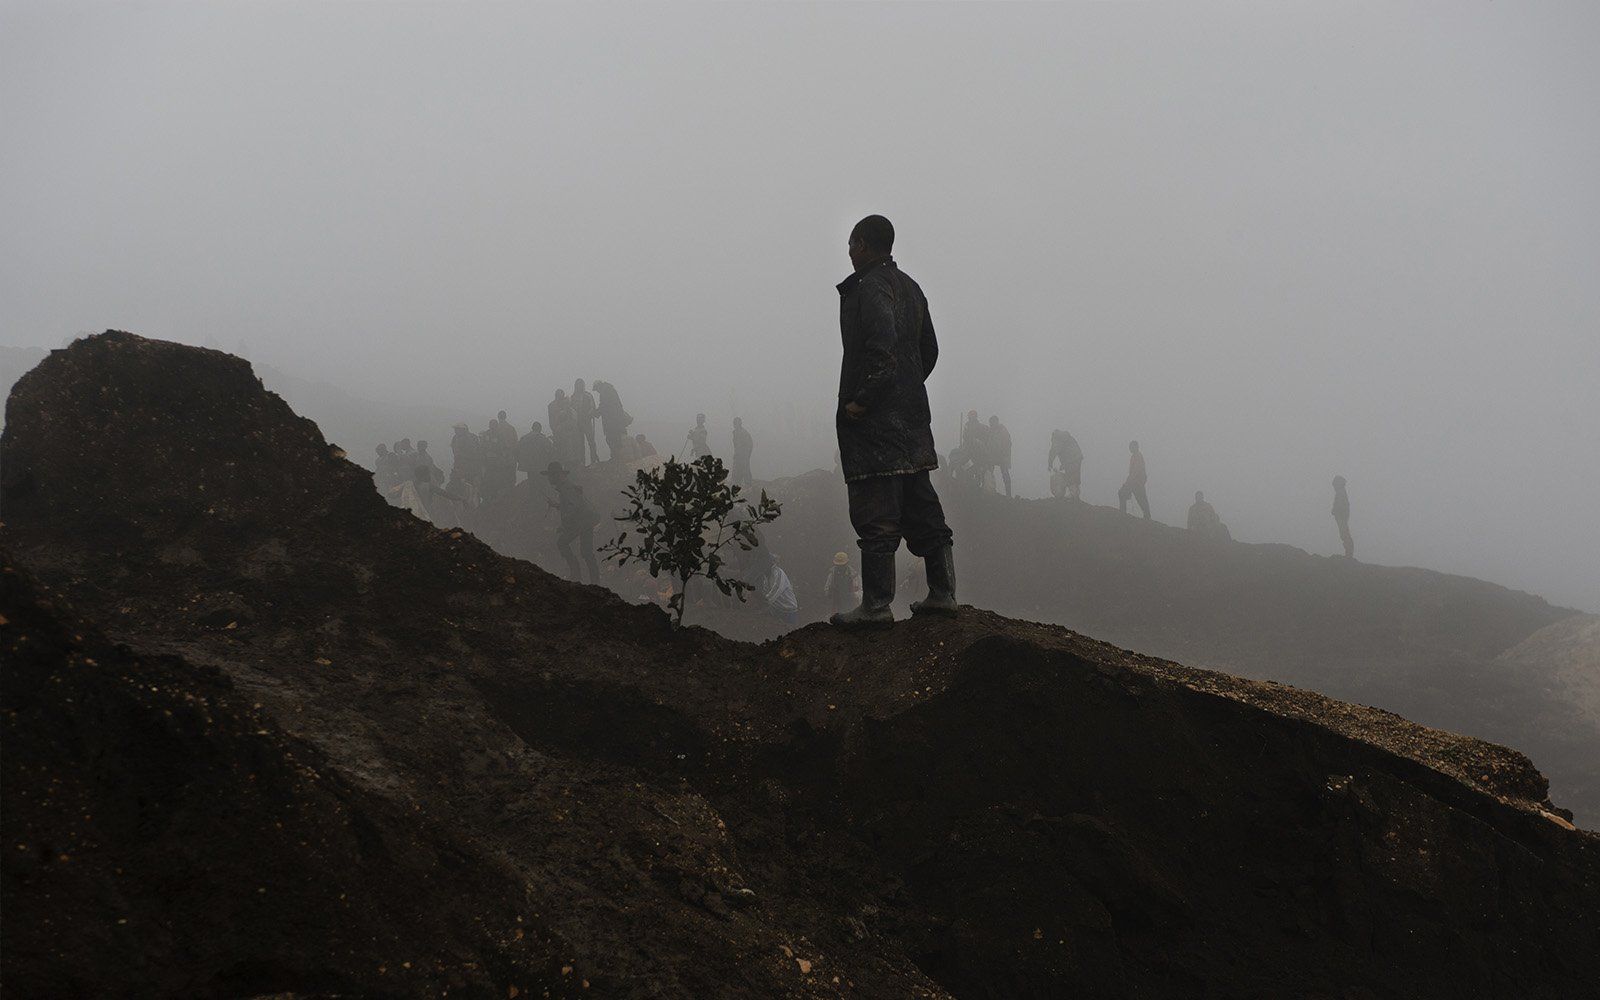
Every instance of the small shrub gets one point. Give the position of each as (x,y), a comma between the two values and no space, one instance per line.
(682,515)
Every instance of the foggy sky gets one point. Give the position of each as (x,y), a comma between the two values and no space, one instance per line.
(1272,243)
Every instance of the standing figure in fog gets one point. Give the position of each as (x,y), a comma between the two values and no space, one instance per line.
(1133,486)
(1064,449)
(1341,514)
(583,407)
(885,430)
(699,439)
(743,445)
(1000,450)
(578,519)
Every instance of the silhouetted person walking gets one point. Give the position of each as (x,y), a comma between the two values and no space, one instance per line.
(1341,514)
(885,429)
(1133,486)
(578,519)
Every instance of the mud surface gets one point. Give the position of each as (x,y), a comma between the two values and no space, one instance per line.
(302,742)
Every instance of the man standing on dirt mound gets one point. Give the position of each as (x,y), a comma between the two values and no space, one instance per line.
(885,428)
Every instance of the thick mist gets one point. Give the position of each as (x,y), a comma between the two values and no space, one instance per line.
(1272,244)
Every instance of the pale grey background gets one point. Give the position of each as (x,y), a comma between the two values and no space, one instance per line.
(1273,242)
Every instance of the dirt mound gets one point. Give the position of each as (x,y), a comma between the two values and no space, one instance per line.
(975,808)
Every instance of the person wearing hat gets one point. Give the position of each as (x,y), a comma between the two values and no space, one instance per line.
(841,588)
(578,519)
(1341,515)
(885,429)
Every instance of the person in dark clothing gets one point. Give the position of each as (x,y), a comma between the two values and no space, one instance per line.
(743,445)
(584,409)
(535,452)
(578,519)
(1341,515)
(386,471)
(614,420)
(1000,450)
(1205,521)
(422,458)
(1064,449)
(561,404)
(974,462)
(466,457)
(1133,486)
(885,430)
(646,449)
(699,438)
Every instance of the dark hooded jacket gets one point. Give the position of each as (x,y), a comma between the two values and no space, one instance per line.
(889,350)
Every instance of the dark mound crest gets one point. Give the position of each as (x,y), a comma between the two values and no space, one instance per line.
(458,772)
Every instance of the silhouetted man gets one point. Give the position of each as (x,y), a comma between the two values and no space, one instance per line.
(1204,520)
(1133,486)
(535,452)
(885,430)
(1064,449)
(699,438)
(578,519)
(1341,514)
(1000,450)
(743,445)
(614,420)
(584,409)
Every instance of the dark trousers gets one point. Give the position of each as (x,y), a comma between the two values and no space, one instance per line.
(585,538)
(1344,536)
(741,472)
(885,509)
(1136,492)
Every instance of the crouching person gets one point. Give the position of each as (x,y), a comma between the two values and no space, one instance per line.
(885,429)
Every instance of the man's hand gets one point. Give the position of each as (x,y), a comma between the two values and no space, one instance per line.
(855,411)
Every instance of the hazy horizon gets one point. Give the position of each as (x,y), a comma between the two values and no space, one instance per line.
(1272,244)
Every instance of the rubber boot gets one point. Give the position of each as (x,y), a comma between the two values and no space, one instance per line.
(877,592)
(941,600)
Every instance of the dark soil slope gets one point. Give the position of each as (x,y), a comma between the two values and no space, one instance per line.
(458,772)
(1427,645)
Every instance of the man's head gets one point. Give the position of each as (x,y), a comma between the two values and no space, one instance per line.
(538,428)
(1338,482)
(554,472)
(871,240)
(405,444)
(699,419)
(1199,497)
(994,421)
(501,416)
(561,394)
(1133,446)
(461,428)
(383,449)
(639,438)
(972,414)
(422,446)
(577,385)
(737,423)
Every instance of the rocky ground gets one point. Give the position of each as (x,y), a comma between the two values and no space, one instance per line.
(1434,647)
(264,733)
